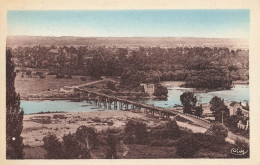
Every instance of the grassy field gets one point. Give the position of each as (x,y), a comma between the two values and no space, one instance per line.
(35,85)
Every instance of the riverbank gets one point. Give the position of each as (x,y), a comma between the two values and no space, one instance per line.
(37,126)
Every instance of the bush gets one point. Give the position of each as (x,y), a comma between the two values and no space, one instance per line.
(68,76)
(157,143)
(187,147)
(218,131)
(52,73)
(53,147)
(39,73)
(136,132)
(83,132)
(111,85)
(74,146)
(173,130)
(111,150)
(42,76)
(160,91)
(59,76)
(83,79)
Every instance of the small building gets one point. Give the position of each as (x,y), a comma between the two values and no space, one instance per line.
(241,125)
(148,88)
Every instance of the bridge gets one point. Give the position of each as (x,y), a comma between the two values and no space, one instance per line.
(112,102)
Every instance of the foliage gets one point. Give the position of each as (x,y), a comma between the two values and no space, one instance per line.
(172,130)
(187,146)
(218,131)
(201,67)
(213,78)
(111,85)
(188,101)
(111,150)
(53,147)
(160,91)
(198,110)
(73,146)
(83,132)
(218,108)
(14,115)
(83,78)
(136,132)
(60,76)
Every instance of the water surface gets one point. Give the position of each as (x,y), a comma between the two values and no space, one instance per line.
(240,93)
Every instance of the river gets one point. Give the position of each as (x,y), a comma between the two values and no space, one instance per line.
(239,93)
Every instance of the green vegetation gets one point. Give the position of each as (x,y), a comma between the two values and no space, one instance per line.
(73,146)
(14,115)
(218,131)
(160,91)
(189,101)
(136,132)
(219,109)
(187,147)
(211,68)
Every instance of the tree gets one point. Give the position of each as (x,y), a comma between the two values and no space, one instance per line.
(111,150)
(160,91)
(188,101)
(198,110)
(187,147)
(239,112)
(111,85)
(218,131)
(14,115)
(171,131)
(136,132)
(73,146)
(219,109)
(53,147)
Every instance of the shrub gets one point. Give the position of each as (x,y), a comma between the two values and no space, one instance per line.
(111,85)
(187,147)
(28,72)
(218,131)
(136,132)
(53,147)
(68,76)
(188,101)
(74,146)
(84,132)
(111,150)
(83,79)
(39,73)
(59,76)
(156,143)
(160,91)
(173,129)
(42,76)
(52,73)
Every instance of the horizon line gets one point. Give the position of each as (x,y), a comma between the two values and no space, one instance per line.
(125,37)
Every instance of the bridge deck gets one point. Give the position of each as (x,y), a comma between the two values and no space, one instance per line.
(203,122)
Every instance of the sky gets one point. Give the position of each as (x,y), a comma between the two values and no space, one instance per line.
(130,23)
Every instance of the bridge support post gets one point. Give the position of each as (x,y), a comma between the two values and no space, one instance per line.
(115,105)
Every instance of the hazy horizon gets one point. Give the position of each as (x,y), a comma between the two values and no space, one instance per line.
(130,23)
(124,37)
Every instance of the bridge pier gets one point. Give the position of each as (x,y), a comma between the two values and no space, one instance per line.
(115,105)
